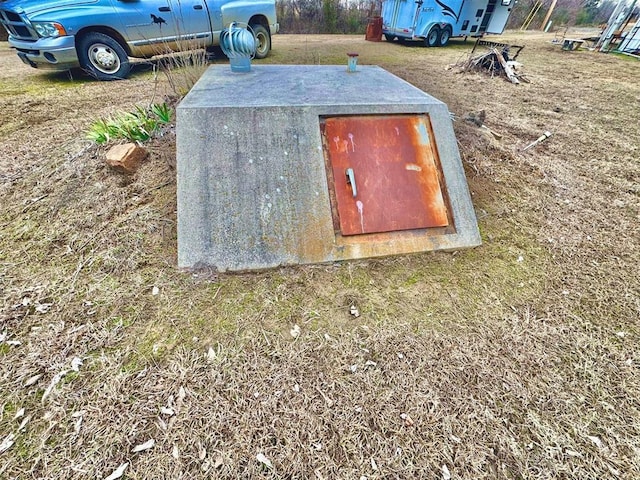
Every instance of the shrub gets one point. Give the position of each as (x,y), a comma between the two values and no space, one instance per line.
(137,126)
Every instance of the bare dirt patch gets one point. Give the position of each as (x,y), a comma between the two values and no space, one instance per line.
(517,359)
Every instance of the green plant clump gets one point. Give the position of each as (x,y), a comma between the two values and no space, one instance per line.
(135,126)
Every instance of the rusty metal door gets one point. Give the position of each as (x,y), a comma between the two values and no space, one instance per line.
(385,173)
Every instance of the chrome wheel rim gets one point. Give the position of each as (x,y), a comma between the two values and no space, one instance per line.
(261,43)
(104,58)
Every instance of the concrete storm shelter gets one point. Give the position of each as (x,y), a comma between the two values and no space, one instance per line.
(308,164)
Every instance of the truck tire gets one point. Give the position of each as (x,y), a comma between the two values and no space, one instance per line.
(263,40)
(433,37)
(103,57)
(389,38)
(445,35)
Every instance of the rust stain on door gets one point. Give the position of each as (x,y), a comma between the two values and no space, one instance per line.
(385,174)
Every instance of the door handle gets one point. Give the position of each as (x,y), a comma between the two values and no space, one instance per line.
(351,180)
(197,7)
(164,9)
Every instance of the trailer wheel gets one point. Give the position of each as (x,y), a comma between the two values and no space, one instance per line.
(445,35)
(389,38)
(433,37)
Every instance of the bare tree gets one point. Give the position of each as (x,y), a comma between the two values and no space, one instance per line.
(326,16)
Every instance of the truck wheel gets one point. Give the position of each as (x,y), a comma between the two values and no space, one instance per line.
(432,38)
(445,35)
(389,38)
(263,40)
(103,57)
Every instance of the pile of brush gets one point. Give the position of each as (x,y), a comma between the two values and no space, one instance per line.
(496,62)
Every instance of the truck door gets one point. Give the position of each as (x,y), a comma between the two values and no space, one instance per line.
(215,17)
(193,21)
(154,26)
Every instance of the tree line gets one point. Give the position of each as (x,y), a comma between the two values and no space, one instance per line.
(352,16)
(326,16)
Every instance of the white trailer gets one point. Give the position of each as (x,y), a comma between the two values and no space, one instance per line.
(434,22)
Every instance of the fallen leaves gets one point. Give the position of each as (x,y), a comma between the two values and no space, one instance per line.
(54,381)
(211,354)
(11,343)
(408,421)
(6,444)
(260,457)
(295,331)
(144,446)
(24,422)
(78,416)
(202,452)
(76,363)
(596,440)
(118,472)
(43,307)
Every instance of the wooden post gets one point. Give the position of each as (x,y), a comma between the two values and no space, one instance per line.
(548,15)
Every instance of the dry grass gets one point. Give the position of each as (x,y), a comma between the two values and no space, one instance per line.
(183,70)
(515,360)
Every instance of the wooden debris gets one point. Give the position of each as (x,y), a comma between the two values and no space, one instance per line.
(495,134)
(508,71)
(496,62)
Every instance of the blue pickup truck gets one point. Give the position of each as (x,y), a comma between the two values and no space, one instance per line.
(99,36)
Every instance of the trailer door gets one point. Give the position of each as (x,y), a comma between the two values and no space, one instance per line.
(399,16)
(470,17)
(499,16)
